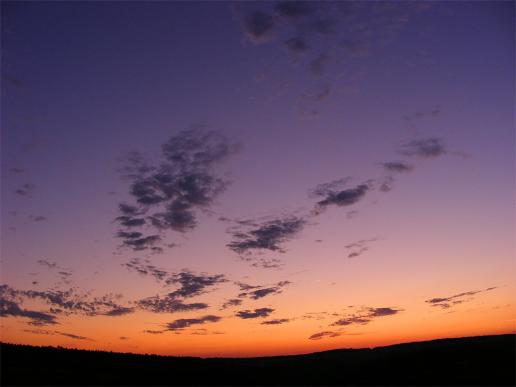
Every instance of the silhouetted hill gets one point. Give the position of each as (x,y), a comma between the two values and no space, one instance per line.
(486,360)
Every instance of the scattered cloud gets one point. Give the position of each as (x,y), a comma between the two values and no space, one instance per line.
(268,235)
(424,148)
(11,308)
(46,332)
(359,247)
(187,322)
(231,302)
(169,194)
(275,321)
(366,315)
(447,302)
(258,26)
(190,285)
(397,166)
(263,291)
(256,313)
(321,335)
(26,189)
(168,304)
(334,193)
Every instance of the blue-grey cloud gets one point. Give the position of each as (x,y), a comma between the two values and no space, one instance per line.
(268,235)
(366,315)
(275,321)
(169,194)
(424,148)
(447,302)
(256,313)
(321,335)
(188,322)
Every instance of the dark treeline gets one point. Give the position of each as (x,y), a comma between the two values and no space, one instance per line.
(486,360)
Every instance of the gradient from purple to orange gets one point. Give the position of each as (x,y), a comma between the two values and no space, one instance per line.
(83,83)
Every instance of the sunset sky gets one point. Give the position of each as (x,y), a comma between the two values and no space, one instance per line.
(256,178)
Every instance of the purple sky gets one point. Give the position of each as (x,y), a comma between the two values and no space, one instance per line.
(301,94)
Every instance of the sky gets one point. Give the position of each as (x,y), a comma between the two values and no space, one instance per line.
(256,178)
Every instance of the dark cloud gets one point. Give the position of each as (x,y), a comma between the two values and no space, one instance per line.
(256,313)
(366,315)
(26,189)
(50,265)
(168,304)
(11,308)
(143,267)
(169,195)
(319,95)
(359,247)
(37,218)
(323,26)
(187,322)
(68,301)
(119,311)
(258,26)
(447,302)
(123,338)
(334,194)
(264,291)
(425,148)
(295,9)
(16,170)
(192,284)
(268,235)
(297,44)
(231,302)
(318,65)
(276,321)
(46,332)
(397,166)
(321,335)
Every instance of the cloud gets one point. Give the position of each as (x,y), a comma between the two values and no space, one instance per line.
(193,284)
(424,148)
(37,218)
(190,284)
(321,335)
(50,265)
(119,311)
(297,45)
(397,166)
(334,194)
(258,26)
(187,322)
(231,302)
(318,65)
(257,313)
(169,194)
(447,302)
(268,235)
(26,189)
(168,304)
(11,308)
(276,321)
(366,315)
(264,291)
(68,301)
(295,9)
(46,332)
(359,247)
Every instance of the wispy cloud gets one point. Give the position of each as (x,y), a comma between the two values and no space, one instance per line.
(256,313)
(447,302)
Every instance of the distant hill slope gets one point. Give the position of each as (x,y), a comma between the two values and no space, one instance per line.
(486,360)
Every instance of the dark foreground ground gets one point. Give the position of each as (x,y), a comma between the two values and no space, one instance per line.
(487,360)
